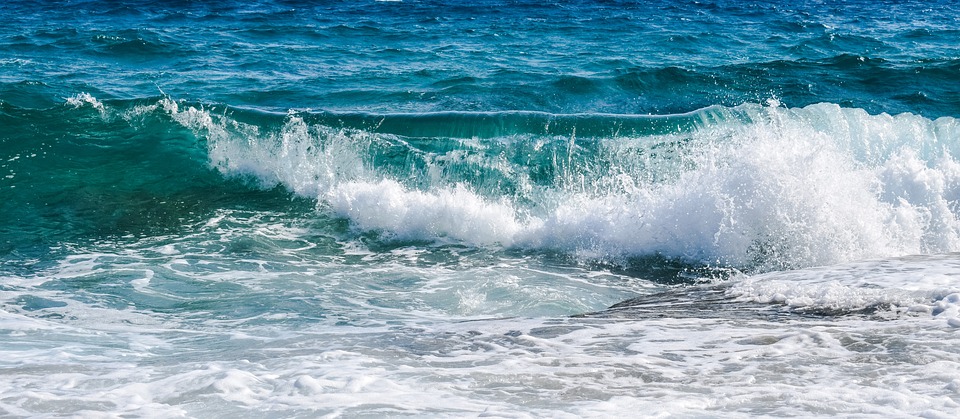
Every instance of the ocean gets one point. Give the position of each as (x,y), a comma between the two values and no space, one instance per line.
(440,208)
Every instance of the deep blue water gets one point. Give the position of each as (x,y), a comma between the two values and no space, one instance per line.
(656,57)
(322,208)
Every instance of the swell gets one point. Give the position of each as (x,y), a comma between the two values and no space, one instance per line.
(753,187)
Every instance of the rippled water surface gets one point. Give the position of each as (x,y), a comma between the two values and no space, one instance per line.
(506,209)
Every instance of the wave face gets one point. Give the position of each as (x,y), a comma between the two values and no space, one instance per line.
(754,188)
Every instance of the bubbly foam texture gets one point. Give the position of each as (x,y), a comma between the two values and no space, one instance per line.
(449,212)
(540,367)
(795,188)
(83,353)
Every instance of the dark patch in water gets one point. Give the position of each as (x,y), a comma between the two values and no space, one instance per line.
(713,302)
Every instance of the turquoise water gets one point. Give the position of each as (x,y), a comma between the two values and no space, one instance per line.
(425,208)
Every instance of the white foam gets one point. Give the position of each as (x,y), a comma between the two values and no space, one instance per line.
(454,212)
(804,187)
(427,347)
(82,99)
(508,368)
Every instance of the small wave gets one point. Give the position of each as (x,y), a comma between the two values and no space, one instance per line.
(82,99)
